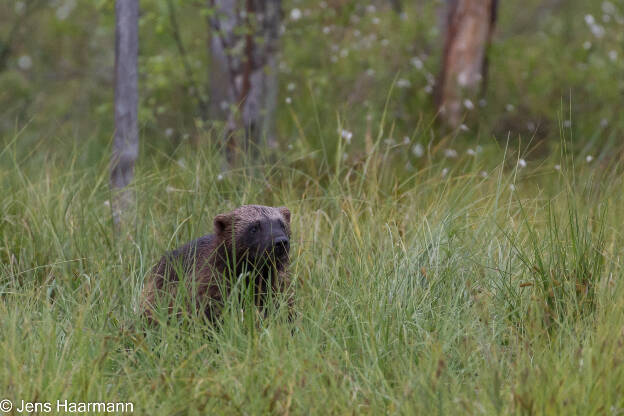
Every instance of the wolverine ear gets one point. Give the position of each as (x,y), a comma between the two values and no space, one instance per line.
(221,222)
(285,212)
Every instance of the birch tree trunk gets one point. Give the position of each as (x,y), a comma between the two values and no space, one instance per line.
(244,47)
(126,142)
(469,28)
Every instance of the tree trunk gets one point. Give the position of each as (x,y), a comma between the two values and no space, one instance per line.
(244,45)
(126,142)
(469,28)
(222,91)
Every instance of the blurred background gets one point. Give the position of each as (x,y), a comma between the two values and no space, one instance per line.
(335,70)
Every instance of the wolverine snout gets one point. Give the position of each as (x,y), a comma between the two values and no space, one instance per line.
(281,246)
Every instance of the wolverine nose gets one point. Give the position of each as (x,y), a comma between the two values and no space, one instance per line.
(281,245)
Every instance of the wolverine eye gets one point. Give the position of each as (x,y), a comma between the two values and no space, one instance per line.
(254,228)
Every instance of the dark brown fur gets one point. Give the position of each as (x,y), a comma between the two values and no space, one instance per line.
(207,265)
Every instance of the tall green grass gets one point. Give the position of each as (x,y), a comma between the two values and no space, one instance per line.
(416,294)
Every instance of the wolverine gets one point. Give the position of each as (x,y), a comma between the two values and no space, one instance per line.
(251,242)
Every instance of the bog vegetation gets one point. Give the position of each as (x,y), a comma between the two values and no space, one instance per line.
(472,269)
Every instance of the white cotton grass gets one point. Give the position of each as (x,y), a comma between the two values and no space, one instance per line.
(346,135)
(295,14)
(589,19)
(417,63)
(597,30)
(24,62)
(403,83)
(418,150)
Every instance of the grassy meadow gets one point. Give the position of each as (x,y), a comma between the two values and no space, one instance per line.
(476,271)
(427,294)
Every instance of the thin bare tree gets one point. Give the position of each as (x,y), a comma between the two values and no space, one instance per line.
(469,28)
(244,47)
(126,142)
